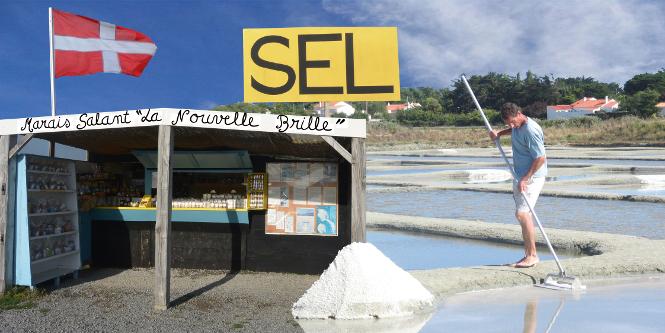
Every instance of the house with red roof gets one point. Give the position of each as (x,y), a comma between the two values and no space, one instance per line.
(326,109)
(583,107)
(661,109)
(393,108)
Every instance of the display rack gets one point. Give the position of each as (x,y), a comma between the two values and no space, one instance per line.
(47,230)
(257,191)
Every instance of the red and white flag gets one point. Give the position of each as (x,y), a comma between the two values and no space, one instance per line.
(86,46)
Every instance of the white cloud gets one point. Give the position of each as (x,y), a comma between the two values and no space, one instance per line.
(610,40)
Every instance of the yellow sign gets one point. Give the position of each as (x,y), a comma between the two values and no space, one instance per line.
(321,64)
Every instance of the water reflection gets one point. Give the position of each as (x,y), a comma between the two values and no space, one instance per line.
(562,301)
(530,316)
(408,324)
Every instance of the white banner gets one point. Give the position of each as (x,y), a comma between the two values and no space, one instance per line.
(240,121)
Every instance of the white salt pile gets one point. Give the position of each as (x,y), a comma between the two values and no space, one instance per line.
(488,176)
(651,179)
(362,283)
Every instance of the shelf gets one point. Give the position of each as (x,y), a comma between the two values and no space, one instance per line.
(52,214)
(28,272)
(54,235)
(206,215)
(39,261)
(51,191)
(193,209)
(50,173)
(52,274)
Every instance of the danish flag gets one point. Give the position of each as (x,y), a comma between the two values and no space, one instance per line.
(86,46)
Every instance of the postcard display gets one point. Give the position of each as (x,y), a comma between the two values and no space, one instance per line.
(47,232)
(302,199)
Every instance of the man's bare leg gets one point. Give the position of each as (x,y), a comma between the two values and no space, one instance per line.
(529,236)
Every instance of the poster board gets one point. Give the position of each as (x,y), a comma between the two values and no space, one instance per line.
(302,199)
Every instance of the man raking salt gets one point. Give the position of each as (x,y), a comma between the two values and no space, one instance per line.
(560,281)
(530,164)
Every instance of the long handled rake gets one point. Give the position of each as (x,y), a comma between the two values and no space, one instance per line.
(560,281)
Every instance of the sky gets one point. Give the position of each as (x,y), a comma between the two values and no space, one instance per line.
(198,63)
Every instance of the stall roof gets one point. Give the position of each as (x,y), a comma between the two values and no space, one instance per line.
(122,141)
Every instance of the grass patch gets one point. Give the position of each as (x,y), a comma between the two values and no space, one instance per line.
(20,298)
(238,326)
(625,131)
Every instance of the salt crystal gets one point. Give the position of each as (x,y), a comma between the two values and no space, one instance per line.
(362,283)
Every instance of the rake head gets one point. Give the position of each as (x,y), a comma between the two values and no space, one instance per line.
(561,282)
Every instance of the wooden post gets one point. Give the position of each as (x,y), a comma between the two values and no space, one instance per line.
(358,206)
(4,205)
(163,222)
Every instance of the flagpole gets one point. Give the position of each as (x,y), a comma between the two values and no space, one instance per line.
(52,60)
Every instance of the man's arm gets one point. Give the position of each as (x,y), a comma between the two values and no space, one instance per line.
(535,165)
(495,134)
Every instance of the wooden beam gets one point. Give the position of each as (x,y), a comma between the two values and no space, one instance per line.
(11,219)
(4,205)
(338,147)
(358,186)
(24,141)
(163,222)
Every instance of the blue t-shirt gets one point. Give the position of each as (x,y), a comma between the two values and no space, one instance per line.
(528,144)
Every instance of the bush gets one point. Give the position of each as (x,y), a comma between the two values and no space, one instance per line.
(581,122)
(359,115)
(387,126)
(381,115)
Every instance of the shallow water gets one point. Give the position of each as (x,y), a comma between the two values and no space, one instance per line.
(633,307)
(403,171)
(648,190)
(611,216)
(412,251)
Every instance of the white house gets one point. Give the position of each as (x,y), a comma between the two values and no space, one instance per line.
(393,108)
(326,109)
(581,108)
(661,109)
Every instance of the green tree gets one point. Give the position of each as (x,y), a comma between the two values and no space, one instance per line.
(431,104)
(641,82)
(244,107)
(642,103)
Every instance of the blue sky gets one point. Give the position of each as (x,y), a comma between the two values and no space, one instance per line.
(199,58)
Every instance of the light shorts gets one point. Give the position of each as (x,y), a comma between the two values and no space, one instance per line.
(533,189)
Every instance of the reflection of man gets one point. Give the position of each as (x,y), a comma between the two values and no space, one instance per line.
(530,316)
(530,168)
(325,225)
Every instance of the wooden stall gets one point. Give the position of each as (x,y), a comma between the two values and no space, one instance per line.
(180,188)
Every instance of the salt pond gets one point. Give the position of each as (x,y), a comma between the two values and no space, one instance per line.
(421,251)
(621,217)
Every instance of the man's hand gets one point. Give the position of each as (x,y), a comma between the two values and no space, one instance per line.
(523,183)
(493,134)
